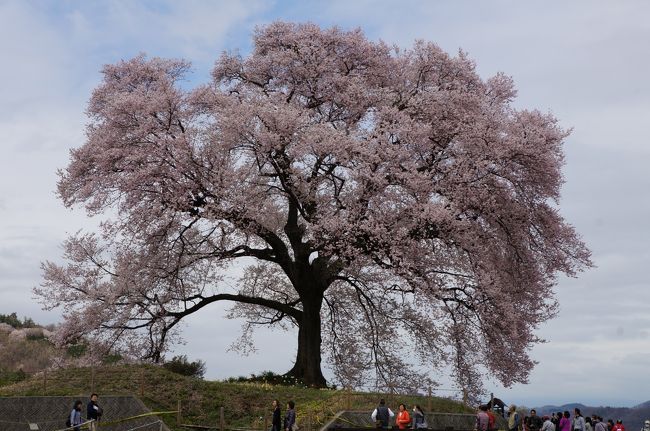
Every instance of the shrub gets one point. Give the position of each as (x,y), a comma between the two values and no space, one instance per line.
(76,350)
(181,365)
(8,377)
(268,377)
(112,358)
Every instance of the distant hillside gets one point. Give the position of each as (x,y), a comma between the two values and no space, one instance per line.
(632,418)
(645,405)
(24,348)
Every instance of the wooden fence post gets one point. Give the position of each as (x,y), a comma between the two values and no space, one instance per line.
(141,382)
(222,421)
(266,421)
(92,377)
(348,399)
(178,412)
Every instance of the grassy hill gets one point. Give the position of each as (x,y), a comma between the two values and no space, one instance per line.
(245,404)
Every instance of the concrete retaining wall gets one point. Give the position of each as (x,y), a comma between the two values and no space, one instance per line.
(49,413)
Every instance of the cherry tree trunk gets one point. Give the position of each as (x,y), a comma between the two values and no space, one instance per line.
(308,358)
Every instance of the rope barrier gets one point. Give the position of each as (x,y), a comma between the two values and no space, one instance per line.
(86,424)
(145,425)
(80,426)
(144,415)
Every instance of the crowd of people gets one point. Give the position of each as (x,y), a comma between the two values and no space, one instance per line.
(382,416)
(560,421)
(486,420)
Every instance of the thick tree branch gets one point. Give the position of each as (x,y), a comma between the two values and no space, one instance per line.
(287,308)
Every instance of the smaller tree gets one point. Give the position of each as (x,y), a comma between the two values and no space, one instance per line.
(181,365)
(13,320)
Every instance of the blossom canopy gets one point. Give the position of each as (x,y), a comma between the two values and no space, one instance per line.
(389,203)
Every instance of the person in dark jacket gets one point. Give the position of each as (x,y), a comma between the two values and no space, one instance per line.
(93,412)
(419,419)
(290,417)
(534,422)
(382,414)
(276,423)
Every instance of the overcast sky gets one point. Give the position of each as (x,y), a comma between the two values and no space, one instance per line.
(588,62)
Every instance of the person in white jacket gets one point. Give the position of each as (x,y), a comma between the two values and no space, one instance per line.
(578,421)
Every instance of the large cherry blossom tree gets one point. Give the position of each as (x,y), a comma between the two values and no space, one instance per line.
(389,203)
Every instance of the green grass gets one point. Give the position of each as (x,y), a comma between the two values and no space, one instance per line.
(245,404)
(11,377)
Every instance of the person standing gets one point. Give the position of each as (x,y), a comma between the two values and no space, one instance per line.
(600,425)
(482,419)
(419,420)
(93,412)
(382,414)
(276,422)
(588,424)
(75,415)
(513,418)
(403,419)
(290,417)
(565,423)
(534,422)
(548,425)
(619,426)
(492,420)
(578,421)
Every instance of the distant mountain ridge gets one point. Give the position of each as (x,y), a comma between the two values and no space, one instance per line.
(645,405)
(632,417)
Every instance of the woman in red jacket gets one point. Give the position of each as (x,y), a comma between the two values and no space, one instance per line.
(403,419)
